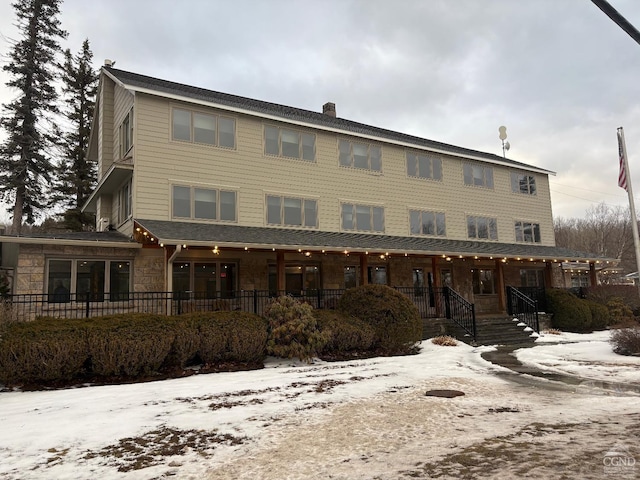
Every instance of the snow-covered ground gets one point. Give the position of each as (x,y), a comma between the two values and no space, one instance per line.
(364,419)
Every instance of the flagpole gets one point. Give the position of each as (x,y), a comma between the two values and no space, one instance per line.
(629,189)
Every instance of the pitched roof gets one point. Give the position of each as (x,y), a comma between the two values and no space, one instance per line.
(203,234)
(139,82)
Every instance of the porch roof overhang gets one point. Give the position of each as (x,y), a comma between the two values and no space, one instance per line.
(80,239)
(115,176)
(235,236)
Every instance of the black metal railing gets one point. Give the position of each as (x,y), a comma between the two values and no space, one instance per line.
(431,303)
(538,294)
(523,307)
(443,302)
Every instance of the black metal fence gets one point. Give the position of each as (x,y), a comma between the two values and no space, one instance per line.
(431,303)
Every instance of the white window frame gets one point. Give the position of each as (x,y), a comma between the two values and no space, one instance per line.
(369,146)
(192,206)
(216,117)
(125,203)
(469,171)
(126,134)
(354,216)
(491,227)
(303,211)
(523,183)
(301,144)
(433,173)
(520,227)
(439,220)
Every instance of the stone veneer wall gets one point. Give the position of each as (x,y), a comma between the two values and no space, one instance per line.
(149,271)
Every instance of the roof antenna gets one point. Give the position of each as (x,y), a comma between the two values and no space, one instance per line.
(505,145)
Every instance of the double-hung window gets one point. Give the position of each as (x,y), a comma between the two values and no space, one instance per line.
(126,134)
(478,175)
(203,128)
(427,223)
(292,211)
(124,202)
(523,183)
(360,155)
(527,232)
(363,218)
(424,166)
(203,203)
(284,142)
(482,228)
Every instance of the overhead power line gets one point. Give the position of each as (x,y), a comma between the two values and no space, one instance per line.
(617,17)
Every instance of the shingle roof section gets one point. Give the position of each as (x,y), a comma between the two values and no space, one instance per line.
(291,113)
(185,232)
(108,236)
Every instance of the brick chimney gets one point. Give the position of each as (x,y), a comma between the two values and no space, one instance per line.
(329,108)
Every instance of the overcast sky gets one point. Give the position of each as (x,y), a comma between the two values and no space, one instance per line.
(559,74)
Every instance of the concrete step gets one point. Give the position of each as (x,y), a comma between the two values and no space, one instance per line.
(490,331)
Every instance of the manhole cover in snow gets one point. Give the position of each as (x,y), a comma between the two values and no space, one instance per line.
(444,393)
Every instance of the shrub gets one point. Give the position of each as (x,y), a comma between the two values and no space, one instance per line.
(128,344)
(293,329)
(620,312)
(626,341)
(186,342)
(445,341)
(344,333)
(603,294)
(392,315)
(570,314)
(45,350)
(600,316)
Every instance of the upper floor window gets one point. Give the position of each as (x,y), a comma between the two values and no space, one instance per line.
(124,202)
(360,155)
(482,227)
(522,183)
(364,218)
(289,143)
(203,128)
(424,166)
(427,223)
(203,203)
(527,232)
(126,134)
(300,212)
(478,175)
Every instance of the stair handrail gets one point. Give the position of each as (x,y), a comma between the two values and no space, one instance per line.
(461,311)
(523,307)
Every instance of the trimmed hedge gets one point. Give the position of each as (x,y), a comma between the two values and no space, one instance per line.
(344,333)
(394,318)
(50,350)
(44,350)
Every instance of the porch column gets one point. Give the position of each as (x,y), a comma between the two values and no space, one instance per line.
(437,283)
(548,275)
(281,279)
(363,269)
(593,278)
(500,286)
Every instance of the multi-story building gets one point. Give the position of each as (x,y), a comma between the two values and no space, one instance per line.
(202,191)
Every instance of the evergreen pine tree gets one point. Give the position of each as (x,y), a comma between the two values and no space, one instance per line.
(25,165)
(76,176)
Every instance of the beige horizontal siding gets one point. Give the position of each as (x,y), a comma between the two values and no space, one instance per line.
(161,161)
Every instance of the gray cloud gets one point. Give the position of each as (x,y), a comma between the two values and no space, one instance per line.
(558,73)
